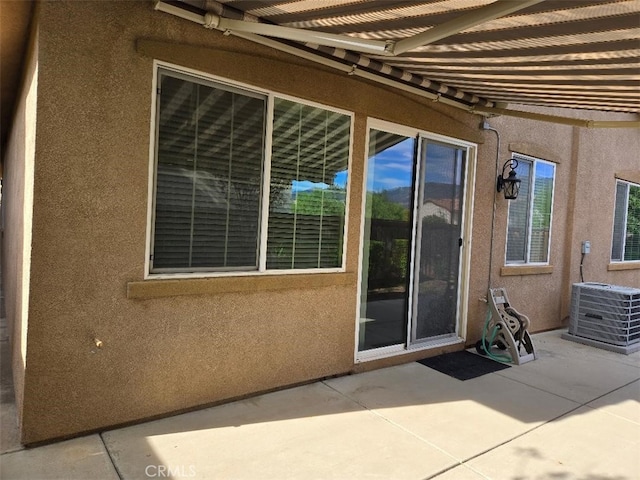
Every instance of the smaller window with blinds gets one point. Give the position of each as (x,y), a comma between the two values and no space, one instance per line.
(626,223)
(530,215)
(245,180)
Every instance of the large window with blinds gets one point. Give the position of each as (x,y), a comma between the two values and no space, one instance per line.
(529,219)
(246,180)
(626,223)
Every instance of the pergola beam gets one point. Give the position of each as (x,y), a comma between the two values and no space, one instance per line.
(492,11)
(346,42)
(543,117)
(152,48)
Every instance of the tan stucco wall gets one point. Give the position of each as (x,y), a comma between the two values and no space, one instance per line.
(165,354)
(17,192)
(586,162)
(168,348)
(605,156)
(553,143)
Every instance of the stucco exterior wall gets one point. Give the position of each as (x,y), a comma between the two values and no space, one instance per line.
(553,143)
(543,292)
(178,344)
(604,157)
(587,163)
(163,353)
(17,205)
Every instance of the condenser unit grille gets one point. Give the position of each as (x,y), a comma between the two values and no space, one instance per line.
(606,314)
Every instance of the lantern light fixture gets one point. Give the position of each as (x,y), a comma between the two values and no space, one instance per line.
(510,185)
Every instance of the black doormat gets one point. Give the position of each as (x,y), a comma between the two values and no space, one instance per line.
(463,365)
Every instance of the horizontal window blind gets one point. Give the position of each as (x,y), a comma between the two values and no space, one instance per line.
(211,143)
(518,220)
(309,161)
(209,176)
(626,223)
(529,220)
(632,239)
(541,213)
(619,218)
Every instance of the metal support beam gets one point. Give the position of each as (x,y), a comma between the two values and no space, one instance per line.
(178,12)
(283,47)
(476,17)
(346,42)
(574,122)
(353,70)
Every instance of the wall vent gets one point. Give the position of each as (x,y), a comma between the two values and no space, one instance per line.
(605,316)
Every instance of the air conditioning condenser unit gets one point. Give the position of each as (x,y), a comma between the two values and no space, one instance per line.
(605,316)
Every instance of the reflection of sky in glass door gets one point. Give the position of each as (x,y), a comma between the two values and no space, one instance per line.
(386,241)
(391,167)
(443,166)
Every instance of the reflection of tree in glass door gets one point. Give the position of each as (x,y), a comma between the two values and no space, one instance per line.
(395,233)
(387,236)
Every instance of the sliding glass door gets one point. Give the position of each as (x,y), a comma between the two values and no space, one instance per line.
(412,241)
(438,241)
(387,240)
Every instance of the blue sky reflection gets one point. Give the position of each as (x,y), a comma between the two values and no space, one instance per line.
(340,181)
(391,168)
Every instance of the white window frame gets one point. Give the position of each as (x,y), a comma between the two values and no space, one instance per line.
(534,161)
(264,211)
(624,232)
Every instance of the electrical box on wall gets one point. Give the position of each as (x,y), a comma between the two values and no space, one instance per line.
(586,247)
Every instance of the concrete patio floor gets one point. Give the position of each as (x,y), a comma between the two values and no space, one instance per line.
(573,414)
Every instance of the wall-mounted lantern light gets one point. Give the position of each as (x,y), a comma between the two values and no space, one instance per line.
(511,184)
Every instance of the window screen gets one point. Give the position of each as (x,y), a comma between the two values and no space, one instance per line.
(541,213)
(210,190)
(529,220)
(626,223)
(518,223)
(309,160)
(209,176)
